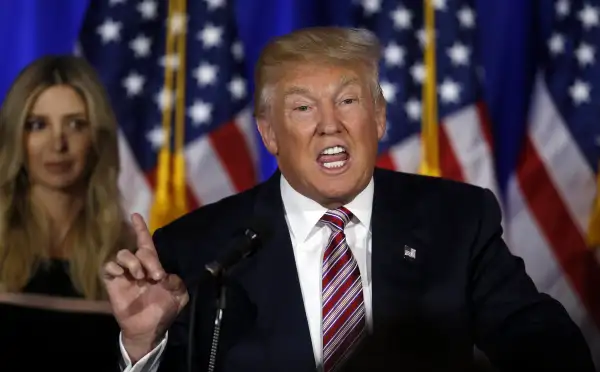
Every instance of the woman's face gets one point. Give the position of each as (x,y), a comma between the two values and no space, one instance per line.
(58,139)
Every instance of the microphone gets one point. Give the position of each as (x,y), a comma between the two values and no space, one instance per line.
(244,244)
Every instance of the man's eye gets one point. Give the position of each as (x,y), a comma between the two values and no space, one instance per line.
(302,108)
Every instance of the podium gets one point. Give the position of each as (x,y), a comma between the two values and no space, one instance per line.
(44,333)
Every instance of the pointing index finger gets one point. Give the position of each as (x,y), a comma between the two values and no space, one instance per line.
(144,239)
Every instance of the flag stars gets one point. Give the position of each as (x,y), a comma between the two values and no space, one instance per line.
(449,91)
(459,54)
(371,7)
(580,92)
(585,54)
(237,49)
(402,18)
(148,9)
(200,112)
(165,99)
(466,17)
(141,46)
(134,84)
(237,88)
(170,60)
(439,4)
(417,72)
(563,8)
(205,74)
(214,4)
(589,16)
(389,91)
(394,55)
(413,109)
(109,31)
(422,35)
(210,36)
(556,44)
(178,23)
(157,137)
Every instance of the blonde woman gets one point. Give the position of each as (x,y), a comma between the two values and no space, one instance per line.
(60,217)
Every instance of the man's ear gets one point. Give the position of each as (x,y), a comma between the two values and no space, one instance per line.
(265,128)
(380,118)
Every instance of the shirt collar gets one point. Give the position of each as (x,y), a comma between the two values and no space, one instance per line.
(304,213)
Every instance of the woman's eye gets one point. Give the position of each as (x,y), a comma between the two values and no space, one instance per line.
(77,124)
(34,124)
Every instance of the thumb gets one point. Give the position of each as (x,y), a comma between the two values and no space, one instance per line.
(176,287)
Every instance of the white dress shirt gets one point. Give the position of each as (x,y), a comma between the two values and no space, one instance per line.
(309,238)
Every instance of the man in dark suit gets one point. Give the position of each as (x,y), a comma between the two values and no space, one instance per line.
(365,269)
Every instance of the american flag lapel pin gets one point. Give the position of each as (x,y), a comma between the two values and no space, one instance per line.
(410,253)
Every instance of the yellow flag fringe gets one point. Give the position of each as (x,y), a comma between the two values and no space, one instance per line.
(170,196)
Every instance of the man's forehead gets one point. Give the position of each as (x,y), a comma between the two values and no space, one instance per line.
(300,80)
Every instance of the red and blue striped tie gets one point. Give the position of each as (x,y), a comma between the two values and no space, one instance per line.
(342,294)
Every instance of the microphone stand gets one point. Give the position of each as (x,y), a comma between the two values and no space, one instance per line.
(220,300)
(245,245)
(221,303)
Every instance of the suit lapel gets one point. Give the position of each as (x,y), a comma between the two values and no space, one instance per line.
(274,286)
(397,277)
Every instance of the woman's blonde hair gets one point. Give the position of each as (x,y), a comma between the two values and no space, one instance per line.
(100,229)
(327,45)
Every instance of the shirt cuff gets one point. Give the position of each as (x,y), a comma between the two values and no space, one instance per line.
(150,361)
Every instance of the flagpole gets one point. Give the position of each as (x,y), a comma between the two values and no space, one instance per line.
(429,128)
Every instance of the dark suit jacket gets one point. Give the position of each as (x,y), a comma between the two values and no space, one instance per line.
(463,288)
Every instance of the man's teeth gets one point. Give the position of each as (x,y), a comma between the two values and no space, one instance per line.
(335,164)
(333,150)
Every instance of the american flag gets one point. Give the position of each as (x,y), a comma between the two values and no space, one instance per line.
(551,193)
(464,134)
(125,41)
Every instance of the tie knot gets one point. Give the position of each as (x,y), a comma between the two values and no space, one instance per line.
(337,218)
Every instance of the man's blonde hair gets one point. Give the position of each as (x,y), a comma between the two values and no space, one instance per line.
(328,45)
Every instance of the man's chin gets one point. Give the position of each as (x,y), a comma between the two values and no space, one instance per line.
(335,194)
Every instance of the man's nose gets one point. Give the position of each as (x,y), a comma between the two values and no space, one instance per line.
(329,122)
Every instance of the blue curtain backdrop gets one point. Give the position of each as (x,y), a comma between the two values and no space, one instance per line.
(32,28)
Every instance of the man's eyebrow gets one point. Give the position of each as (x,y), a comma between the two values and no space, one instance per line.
(344,82)
(348,80)
(295,90)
